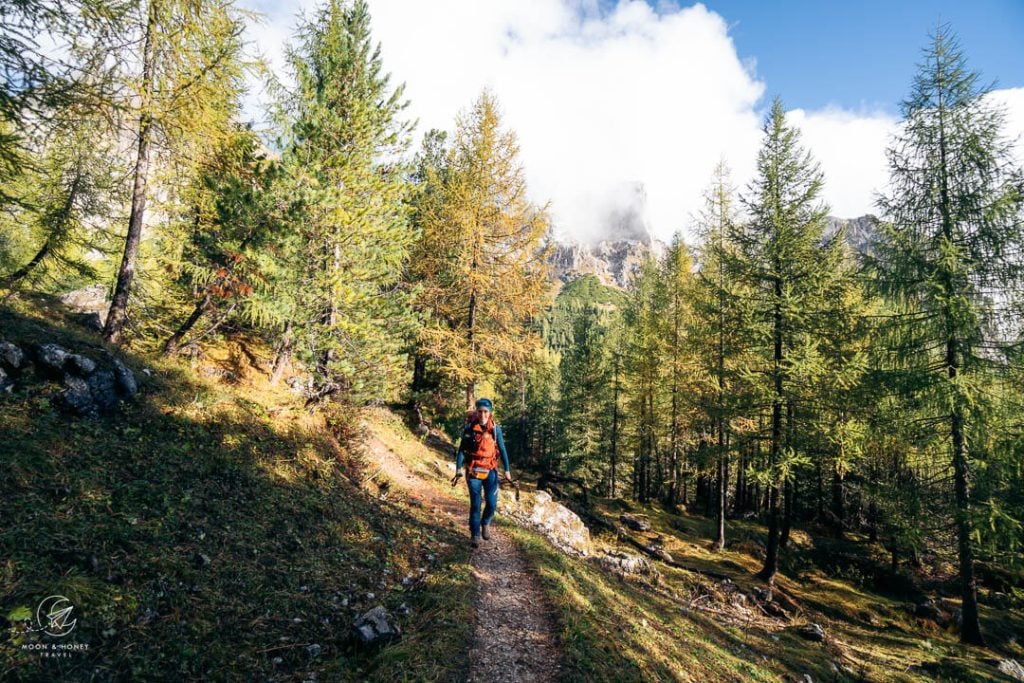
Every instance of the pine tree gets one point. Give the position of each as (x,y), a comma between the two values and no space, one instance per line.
(676,280)
(949,247)
(583,399)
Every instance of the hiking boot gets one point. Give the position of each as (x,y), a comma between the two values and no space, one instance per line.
(486,535)
(475,541)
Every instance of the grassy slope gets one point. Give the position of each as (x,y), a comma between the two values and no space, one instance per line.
(686,630)
(115,514)
(616,629)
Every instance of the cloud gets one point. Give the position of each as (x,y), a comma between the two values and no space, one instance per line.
(604,99)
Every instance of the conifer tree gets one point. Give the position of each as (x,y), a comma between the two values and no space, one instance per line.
(781,258)
(481,261)
(717,328)
(344,151)
(949,248)
(190,50)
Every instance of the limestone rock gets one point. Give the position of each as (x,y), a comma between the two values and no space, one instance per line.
(1012,668)
(86,300)
(558,523)
(12,358)
(376,626)
(635,522)
(812,632)
(626,563)
(50,359)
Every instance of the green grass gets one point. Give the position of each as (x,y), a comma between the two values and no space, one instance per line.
(682,629)
(116,513)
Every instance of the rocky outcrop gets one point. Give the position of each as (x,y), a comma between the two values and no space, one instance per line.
(859,231)
(613,262)
(90,386)
(555,521)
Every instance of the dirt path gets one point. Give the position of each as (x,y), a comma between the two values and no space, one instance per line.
(515,633)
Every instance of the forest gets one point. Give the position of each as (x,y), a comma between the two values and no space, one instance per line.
(768,370)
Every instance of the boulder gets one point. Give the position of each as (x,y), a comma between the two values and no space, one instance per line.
(812,632)
(376,626)
(50,359)
(88,299)
(560,524)
(635,522)
(626,563)
(80,365)
(126,384)
(12,358)
(1011,668)
(103,388)
(77,398)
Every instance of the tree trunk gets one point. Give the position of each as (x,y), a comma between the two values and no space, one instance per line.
(284,353)
(771,562)
(118,315)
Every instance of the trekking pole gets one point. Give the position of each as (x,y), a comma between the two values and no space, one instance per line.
(516,484)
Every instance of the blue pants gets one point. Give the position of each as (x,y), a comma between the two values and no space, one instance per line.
(489,487)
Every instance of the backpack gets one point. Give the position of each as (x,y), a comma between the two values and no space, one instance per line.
(480,445)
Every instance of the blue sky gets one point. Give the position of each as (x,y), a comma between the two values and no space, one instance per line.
(862,53)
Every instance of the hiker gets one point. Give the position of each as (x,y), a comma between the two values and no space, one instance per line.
(481,442)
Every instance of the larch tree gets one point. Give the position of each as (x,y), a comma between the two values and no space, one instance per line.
(717,328)
(780,256)
(481,262)
(949,251)
(185,48)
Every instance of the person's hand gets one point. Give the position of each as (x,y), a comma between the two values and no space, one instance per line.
(455,479)
(508,477)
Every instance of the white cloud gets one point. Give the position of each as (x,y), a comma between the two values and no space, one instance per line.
(602,100)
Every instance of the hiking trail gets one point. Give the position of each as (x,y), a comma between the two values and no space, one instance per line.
(515,633)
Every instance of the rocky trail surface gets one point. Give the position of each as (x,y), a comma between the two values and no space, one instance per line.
(515,633)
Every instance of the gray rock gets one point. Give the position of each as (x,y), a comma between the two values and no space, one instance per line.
(626,563)
(314,650)
(87,299)
(103,388)
(80,365)
(558,523)
(1012,668)
(376,626)
(812,632)
(6,383)
(11,357)
(77,398)
(635,522)
(660,553)
(126,383)
(50,359)
(930,610)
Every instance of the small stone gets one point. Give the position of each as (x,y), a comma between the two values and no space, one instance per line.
(77,397)
(635,522)
(376,627)
(812,632)
(201,560)
(277,661)
(370,596)
(314,650)
(126,384)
